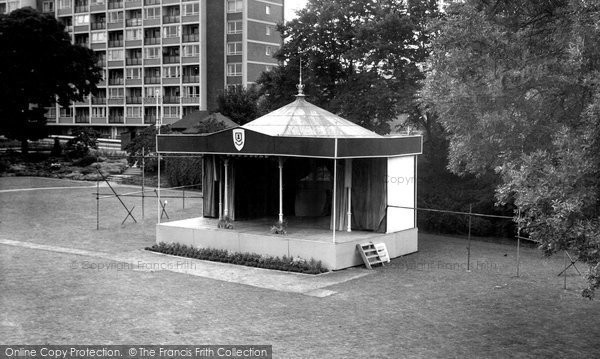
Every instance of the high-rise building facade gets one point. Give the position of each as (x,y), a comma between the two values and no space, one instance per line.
(162,58)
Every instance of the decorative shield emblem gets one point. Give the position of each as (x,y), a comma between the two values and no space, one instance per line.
(239,137)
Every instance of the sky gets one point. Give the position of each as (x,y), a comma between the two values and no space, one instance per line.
(290,7)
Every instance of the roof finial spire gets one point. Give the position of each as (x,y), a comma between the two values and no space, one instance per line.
(300,85)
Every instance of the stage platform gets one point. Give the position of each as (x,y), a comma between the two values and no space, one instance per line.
(306,238)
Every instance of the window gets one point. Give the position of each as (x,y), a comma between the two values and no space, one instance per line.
(152,13)
(116,92)
(115,16)
(234,27)
(234,5)
(191,9)
(234,69)
(268,9)
(191,91)
(62,4)
(133,34)
(98,37)
(171,71)
(115,54)
(171,111)
(268,30)
(152,52)
(234,48)
(268,51)
(133,73)
(134,111)
(171,31)
(97,2)
(98,111)
(82,20)
(48,6)
(191,50)
(268,68)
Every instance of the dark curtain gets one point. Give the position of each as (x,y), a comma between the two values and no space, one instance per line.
(210,188)
(369,194)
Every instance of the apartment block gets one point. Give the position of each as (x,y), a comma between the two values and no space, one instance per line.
(162,59)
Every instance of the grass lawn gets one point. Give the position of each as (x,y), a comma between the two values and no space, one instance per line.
(421,305)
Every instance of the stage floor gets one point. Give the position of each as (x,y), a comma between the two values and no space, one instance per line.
(306,238)
(299,228)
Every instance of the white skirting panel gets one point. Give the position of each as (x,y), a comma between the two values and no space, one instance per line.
(400,182)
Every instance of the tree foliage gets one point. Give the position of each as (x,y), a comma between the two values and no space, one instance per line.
(359,59)
(38,68)
(239,104)
(515,85)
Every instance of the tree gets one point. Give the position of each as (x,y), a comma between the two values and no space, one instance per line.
(38,68)
(515,85)
(359,59)
(239,104)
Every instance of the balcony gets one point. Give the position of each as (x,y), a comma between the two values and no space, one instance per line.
(83,44)
(149,100)
(116,119)
(133,22)
(190,100)
(152,41)
(171,19)
(151,80)
(171,99)
(170,59)
(151,2)
(98,25)
(133,100)
(191,79)
(116,81)
(137,61)
(150,119)
(115,5)
(191,38)
(115,43)
(98,100)
(82,8)
(82,119)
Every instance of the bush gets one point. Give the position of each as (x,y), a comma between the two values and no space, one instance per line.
(56,148)
(85,161)
(84,140)
(289,264)
(183,171)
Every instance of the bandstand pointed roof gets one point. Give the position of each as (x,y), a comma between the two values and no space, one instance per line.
(303,119)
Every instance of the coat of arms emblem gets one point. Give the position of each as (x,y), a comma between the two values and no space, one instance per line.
(239,137)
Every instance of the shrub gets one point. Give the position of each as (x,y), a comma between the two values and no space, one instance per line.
(85,161)
(289,264)
(84,140)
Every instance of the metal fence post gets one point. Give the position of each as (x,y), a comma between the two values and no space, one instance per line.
(469,240)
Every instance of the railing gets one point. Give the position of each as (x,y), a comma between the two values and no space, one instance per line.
(151,80)
(171,99)
(133,22)
(188,79)
(170,59)
(115,43)
(116,81)
(98,25)
(82,119)
(84,44)
(191,38)
(136,61)
(152,41)
(151,2)
(98,100)
(170,19)
(115,119)
(82,8)
(134,100)
(115,4)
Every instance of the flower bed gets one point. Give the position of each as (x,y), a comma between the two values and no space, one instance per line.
(288,264)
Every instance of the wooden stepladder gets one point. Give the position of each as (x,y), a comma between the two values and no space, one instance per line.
(373,253)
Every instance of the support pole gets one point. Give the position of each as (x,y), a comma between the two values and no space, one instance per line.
(158,123)
(518,241)
(348,184)
(469,241)
(280,190)
(565,271)
(143,177)
(226,200)
(183,198)
(220,192)
(97,205)
(334,197)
